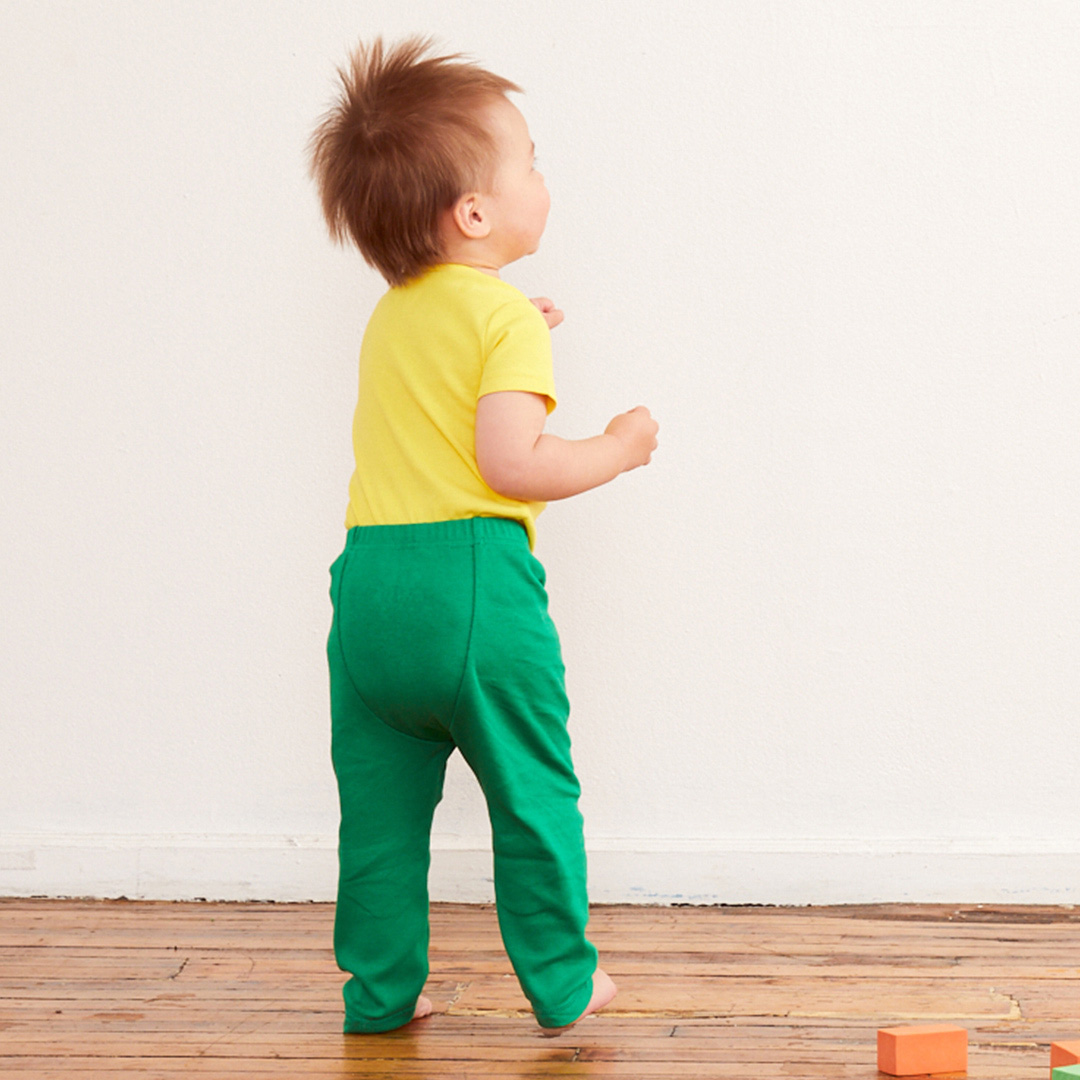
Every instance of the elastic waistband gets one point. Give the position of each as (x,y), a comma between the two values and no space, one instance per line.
(461,531)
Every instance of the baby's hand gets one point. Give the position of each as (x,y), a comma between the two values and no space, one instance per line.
(552,315)
(637,430)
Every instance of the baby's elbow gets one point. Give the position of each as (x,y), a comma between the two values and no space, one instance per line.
(509,427)
(505,477)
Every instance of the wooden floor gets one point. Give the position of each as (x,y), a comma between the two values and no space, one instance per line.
(99,989)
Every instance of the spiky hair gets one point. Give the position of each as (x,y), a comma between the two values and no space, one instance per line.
(404,139)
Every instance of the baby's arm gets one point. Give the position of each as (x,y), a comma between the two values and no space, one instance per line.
(518,460)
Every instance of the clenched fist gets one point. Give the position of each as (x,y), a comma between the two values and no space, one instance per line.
(637,430)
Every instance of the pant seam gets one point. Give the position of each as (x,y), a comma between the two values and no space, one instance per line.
(467,659)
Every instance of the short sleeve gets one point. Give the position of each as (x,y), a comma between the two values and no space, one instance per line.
(517,352)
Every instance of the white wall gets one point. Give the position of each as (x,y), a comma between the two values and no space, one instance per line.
(824,649)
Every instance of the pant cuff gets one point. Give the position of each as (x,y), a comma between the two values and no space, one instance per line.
(359,1025)
(578,1004)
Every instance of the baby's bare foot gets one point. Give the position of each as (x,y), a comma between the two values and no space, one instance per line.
(423,1007)
(602,993)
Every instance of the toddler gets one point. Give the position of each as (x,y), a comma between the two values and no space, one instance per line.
(441,637)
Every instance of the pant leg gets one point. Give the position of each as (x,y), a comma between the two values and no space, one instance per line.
(511,727)
(389,755)
(389,785)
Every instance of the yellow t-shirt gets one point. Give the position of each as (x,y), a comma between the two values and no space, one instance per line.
(432,348)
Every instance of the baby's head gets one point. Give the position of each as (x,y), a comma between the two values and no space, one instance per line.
(424,160)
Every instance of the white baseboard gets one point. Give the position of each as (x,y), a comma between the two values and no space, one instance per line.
(628,870)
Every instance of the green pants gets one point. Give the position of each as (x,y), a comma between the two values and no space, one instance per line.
(441,638)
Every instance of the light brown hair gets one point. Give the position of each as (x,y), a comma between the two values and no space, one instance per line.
(402,142)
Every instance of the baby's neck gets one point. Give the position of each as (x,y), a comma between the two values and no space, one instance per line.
(464,258)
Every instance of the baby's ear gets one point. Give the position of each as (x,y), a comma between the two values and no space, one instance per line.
(468,216)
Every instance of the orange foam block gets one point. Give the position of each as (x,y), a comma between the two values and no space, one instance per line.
(917,1050)
(1064,1053)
